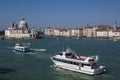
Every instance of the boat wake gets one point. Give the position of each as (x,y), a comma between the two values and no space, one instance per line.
(38,50)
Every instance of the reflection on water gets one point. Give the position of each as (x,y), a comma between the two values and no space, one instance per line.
(70,75)
(6,70)
(61,74)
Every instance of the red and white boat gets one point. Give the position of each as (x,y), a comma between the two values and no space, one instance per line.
(70,61)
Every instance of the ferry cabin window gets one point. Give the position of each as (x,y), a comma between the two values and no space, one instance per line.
(65,61)
(22,48)
(26,48)
(93,66)
(61,54)
(85,65)
(69,55)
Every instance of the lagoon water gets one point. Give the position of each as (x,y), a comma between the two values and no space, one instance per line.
(38,66)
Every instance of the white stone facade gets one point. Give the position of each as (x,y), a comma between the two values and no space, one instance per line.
(92,32)
(89,32)
(102,34)
(63,32)
(20,31)
(116,34)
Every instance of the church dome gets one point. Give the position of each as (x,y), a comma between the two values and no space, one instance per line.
(23,24)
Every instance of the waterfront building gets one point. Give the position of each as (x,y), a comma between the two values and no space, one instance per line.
(115,27)
(76,32)
(116,30)
(92,32)
(49,31)
(21,30)
(62,32)
(85,30)
(102,34)
(100,31)
(89,31)
(116,34)
(110,33)
(56,32)
(104,31)
(68,33)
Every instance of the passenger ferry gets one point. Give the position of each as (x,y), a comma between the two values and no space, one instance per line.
(70,61)
(21,47)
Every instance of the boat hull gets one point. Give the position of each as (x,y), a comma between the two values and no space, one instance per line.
(21,50)
(78,68)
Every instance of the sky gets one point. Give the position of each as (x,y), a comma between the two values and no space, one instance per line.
(59,13)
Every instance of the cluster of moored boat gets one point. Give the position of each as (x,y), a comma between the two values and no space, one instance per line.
(69,60)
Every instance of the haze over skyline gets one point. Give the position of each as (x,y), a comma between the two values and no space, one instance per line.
(59,13)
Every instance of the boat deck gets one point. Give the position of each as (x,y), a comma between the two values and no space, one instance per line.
(81,58)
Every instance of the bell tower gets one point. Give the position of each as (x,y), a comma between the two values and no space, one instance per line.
(115,26)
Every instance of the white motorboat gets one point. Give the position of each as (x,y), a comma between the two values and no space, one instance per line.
(70,61)
(21,47)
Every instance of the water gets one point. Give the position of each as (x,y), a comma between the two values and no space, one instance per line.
(38,66)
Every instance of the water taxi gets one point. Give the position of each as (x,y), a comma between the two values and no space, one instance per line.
(70,61)
(21,47)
